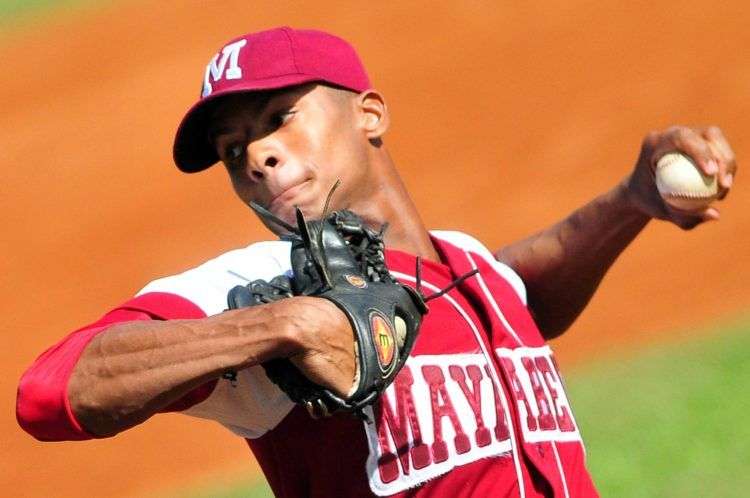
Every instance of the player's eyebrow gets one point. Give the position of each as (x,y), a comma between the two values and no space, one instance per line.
(214,132)
(259,104)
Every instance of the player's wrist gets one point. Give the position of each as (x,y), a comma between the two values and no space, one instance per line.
(308,320)
(630,200)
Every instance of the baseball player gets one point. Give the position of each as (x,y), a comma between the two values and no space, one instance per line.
(431,378)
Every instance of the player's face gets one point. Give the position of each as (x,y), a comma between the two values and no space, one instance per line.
(288,147)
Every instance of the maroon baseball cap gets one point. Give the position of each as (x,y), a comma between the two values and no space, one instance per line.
(266,60)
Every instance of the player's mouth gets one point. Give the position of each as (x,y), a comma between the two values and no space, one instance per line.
(287,195)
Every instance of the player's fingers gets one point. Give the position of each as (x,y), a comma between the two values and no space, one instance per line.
(714,135)
(724,178)
(727,161)
(725,186)
(691,143)
(710,214)
(687,220)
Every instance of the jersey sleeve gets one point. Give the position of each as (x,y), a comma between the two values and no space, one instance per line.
(249,407)
(208,284)
(42,405)
(469,243)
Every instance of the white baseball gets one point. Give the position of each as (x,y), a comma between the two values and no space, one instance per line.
(682,184)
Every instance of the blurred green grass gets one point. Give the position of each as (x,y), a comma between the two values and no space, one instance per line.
(668,422)
(15,13)
(244,489)
(10,9)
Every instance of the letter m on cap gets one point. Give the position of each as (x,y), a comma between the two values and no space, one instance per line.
(223,65)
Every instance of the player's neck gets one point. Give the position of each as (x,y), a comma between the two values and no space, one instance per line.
(391,203)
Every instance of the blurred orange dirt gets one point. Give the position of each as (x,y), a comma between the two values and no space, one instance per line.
(505,118)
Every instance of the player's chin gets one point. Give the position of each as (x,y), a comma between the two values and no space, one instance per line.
(310,205)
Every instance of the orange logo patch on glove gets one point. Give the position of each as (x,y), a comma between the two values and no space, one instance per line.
(385,344)
(356,281)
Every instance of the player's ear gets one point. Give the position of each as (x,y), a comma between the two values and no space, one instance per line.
(373,113)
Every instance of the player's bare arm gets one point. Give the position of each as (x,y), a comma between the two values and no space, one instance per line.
(132,370)
(563,265)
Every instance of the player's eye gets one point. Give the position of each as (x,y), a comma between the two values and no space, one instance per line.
(234,152)
(279,119)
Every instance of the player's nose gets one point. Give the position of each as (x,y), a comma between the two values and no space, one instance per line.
(263,157)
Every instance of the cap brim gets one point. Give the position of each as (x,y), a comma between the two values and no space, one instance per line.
(192,150)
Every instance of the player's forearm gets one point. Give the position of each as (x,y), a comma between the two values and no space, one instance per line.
(563,265)
(134,369)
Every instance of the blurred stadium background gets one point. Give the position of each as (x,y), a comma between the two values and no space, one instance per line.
(507,115)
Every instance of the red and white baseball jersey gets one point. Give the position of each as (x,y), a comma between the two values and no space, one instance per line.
(478,410)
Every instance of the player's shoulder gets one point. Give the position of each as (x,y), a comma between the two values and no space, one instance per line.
(468,243)
(207,284)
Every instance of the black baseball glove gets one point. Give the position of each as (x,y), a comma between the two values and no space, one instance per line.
(340,259)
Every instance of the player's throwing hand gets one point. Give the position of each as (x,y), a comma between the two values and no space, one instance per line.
(711,152)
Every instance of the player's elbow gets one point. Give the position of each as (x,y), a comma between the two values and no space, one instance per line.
(49,411)
(30,410)
(41,412)
(551,323)
(551,332)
